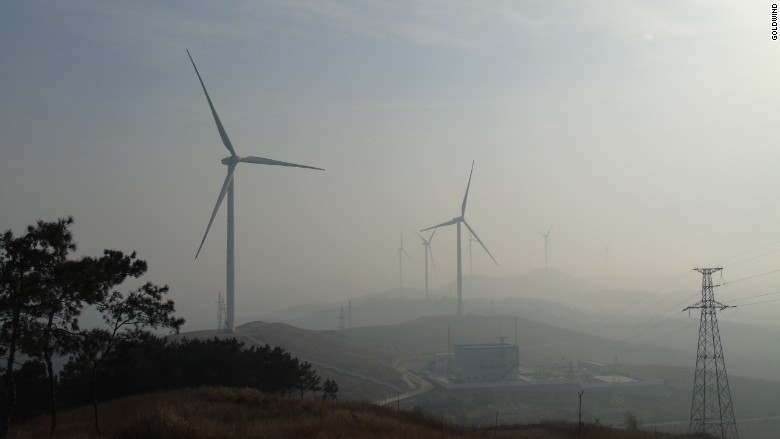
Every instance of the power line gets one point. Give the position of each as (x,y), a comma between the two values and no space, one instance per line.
(752,297)
(642,346)
(755,257)
(675,280)
(625,339)
(748,252)
(656,291)
(758,303)
(750,277)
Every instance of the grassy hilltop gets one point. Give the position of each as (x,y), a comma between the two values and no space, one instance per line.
(227,413)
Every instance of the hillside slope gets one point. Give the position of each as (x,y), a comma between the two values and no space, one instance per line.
(211,413)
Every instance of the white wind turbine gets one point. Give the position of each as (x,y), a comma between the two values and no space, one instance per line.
(401,254)
(471,257)
(227,189)
(457,221)
(546,244)
(427,247)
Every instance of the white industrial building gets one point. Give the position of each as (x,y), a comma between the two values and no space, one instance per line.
(485,363)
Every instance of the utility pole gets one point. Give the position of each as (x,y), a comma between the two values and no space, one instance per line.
(342,317)
(711,409)
(220,311)
(349,314)
(449,351)
(579,419)
(501,338)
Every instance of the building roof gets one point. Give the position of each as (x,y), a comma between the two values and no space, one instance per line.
(485,346)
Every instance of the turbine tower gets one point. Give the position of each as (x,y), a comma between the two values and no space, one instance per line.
(711,409)
(227,189)
(457,221)
(546,244)
(401,254)
(427,247)
(471,258)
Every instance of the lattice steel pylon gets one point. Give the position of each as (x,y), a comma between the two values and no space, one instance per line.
(711,408)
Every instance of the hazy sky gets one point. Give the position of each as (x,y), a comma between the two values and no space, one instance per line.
(650,125)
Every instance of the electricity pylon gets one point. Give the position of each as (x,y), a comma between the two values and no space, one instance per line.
(711,409)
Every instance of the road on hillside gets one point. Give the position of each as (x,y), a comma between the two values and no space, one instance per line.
(418,384)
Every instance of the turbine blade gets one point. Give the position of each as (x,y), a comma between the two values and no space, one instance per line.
(450,222)
(423,239)
(479,240)
(406,254)
(220,128)
(431,237)
(225,186)
(549,230)
(265,161)
(463,207)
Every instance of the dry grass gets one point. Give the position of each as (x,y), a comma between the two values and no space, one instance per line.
(227,413)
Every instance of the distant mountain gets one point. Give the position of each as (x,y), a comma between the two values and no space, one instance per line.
(285,296)
(543,286)
(556,298)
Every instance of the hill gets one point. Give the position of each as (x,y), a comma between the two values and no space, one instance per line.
(627,317)
(378,362)
(367,361)
(206,413)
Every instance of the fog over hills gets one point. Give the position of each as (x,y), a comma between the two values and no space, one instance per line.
(563,301)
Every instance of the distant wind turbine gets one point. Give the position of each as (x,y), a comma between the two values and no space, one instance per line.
(457,221)
(227,189)
(401,254)
(546,244)
(427,247)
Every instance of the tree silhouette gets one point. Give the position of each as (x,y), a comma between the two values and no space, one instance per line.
(128,316)
(42,295)
(33,301)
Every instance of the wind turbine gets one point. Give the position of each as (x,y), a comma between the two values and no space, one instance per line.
(457,221)
(427,248)
(546,243)
(401,254)
(227,189)
(471,258)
